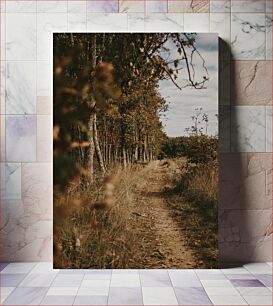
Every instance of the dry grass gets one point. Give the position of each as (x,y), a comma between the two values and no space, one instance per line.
(194,202)
(91,237)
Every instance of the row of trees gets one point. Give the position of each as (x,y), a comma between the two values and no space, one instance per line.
(106,97)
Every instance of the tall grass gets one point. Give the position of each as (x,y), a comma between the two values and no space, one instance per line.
(195,197)
(91,237)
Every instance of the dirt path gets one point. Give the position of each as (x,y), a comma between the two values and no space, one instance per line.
(162,243)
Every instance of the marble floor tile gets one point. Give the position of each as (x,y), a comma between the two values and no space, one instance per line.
(20,267)
(227,300)
(228,291)
(258,268)
(58,300)
(93,291)
(5,292)
(96,283)
(248,36)
(266,279)
(192,296)
(258,299)
(44,268)
(155,6)
(155,280)
(125,296)
(90,300)
(21,36)
(38,280)
(159,296)
(246,283)
(100,276)
(184,280)
(216,283)
(240,276)
(3,37)
(246,291)
(62,291)
(3,265)
(11,280)
(103,6)
(122,280)
(26,296)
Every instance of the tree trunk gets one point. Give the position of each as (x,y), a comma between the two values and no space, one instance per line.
(97,145)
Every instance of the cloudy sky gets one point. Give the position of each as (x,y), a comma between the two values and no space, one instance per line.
(182,103)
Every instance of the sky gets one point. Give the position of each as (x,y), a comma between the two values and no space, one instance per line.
(182,103)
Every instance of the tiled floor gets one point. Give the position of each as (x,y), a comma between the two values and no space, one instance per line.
(39,284)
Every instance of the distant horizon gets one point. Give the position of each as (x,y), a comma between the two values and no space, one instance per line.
(182,103)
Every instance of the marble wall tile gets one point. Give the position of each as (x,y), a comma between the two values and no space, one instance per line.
(3,87)
(245,232)
(269,6)
(99,22)
(3,36)
(268,23)
(24,235)
(164,22)
(3,138)
(47,24)
(131,6)
(77,6)
(20,138)
(248,129)
(20,36)
(244,182)
(155,6)
(249,6)
(252,83)
(220,6)
(3,6)
(268,128)
(188,6)
(248,36)
(20,87)
(37,189)
(136,22)
(59,6)
(21,6)
(220,23)
(196,23)
(44,138)
(44,78)
(103,6)
(224,128)
(44,105)
(11,181)
(77,22)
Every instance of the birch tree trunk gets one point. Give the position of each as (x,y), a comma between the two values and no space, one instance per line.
(96,142)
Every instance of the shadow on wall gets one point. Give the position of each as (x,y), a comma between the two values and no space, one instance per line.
(244,181)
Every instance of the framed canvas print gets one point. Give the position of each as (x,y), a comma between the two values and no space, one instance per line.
(135,150)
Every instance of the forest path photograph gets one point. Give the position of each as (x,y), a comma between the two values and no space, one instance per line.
(135,148)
